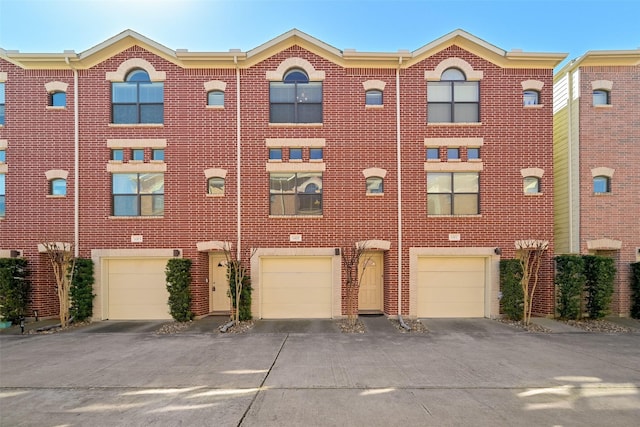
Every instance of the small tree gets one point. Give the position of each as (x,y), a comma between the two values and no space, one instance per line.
(351,256)
(529,253)
(62,260)
(239,286)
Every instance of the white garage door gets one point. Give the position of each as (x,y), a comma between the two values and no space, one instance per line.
(295,287)
(451,286)
(137,289)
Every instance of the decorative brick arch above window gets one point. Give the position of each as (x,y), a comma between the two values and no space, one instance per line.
(604,245)
(56,174)
(374,85)
(289,63)
(215,173)
(374,172)
(536,85)
(458,63)
(602,85)
(215,85)
(130,64)
(52,87)
(602,171)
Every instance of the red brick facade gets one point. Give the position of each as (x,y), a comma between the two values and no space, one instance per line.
(513,138)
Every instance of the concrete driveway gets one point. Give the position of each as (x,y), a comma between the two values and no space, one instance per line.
(476,372)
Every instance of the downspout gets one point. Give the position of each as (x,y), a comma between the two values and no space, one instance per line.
(238,162)
(570,159)
(76,162)
(399,183)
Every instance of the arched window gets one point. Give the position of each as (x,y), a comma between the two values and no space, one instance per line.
(373,97)
(58,99)
(531,97)
(137,99)
(295,99)
(215,186)
(601,184)
(58,187)
(375,185)
(453,99)
(601,97)
(531,184)
(215,98)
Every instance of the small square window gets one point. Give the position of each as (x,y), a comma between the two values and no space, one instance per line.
(531,185)
(58,187)
(315,154)
(215,186)
(433,153)
(215,98)
(295,153)
(275,153)
(137,154)
(157,154)
(3,156)
(453,154)
(117,154)
(473,153)
(373,97)
(375,185)
(601,184)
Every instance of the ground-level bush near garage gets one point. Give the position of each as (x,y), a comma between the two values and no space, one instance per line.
(14,289)
(635,290)
(600,274)
(81,290)
(178,276)
(569,280)
(511,302)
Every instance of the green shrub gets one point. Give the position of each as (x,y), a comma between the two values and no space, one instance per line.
(14,289)
(600,273)
(244,312)
(178,275)
(569,280)
(635,290)
(81,290)
(512,300)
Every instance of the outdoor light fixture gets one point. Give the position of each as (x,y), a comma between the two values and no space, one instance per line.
(497,251)
(176,252)
(337,251)
(14,253)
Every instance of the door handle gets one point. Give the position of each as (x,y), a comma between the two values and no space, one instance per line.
(213,289)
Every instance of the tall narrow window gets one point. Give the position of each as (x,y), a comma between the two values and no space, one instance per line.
(3,206)
(138,194)
(2,104)
(137,99)
(295,99)
(453,99)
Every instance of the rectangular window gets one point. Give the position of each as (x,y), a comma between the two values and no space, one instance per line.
(137,154)
(453,154)
(453,102)
(157,154)
(433,153)
(2,104)
(450,193)
(138,194)
(3,156)
(137,102)
(295,193)
(473,153)
(295,153)
(3,206)
(295,102)
(315,154)
(275,153)
(117,154)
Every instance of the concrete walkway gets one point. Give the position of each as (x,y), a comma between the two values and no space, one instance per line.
(463,372)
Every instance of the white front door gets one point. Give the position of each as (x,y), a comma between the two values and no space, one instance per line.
(219,300)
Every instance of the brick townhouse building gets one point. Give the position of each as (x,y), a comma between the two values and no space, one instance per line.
(597,158)
(437,161)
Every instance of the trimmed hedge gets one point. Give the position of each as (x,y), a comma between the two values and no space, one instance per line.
(570,281)
(635,290)
(178,275)
(14,289)
(81,290)
(512,301)
(600,273)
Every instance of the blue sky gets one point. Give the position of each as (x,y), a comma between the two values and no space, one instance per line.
(564,26)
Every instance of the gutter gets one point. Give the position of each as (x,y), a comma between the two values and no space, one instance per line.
(76,162)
